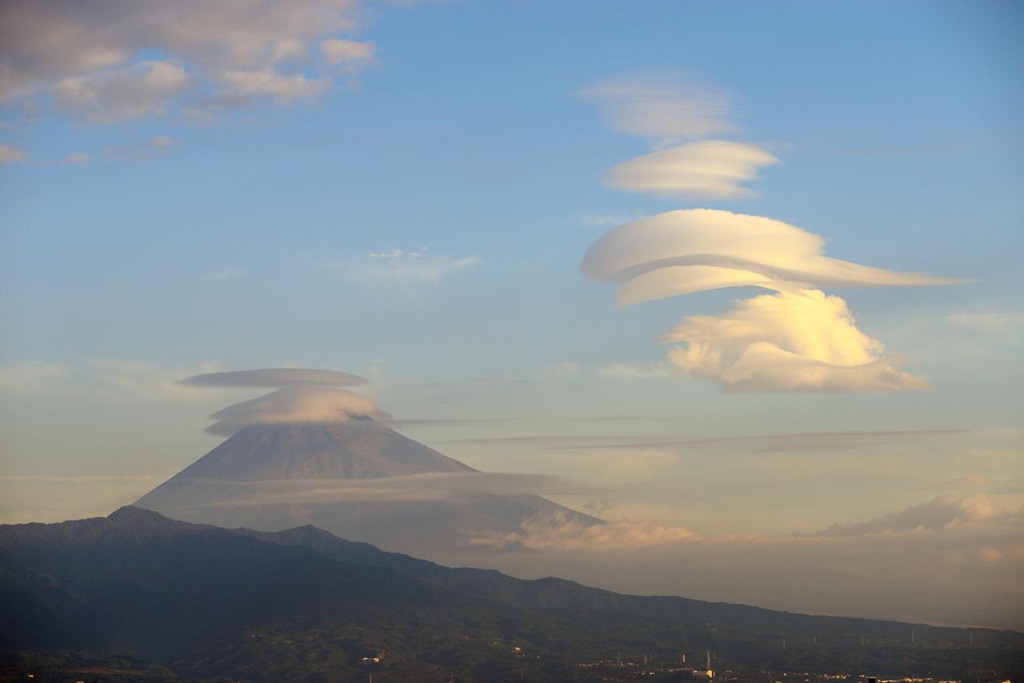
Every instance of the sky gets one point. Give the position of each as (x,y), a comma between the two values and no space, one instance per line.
(744,276)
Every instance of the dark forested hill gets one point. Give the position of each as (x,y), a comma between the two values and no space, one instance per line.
(205,602)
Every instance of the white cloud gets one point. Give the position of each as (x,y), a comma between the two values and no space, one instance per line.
(92,60)
(296,404)
(77,158)
(400,270)
(714,169)
(663,104)
(683,251)
(802,341)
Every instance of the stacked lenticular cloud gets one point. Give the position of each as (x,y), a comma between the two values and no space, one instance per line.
(301,395)
(797,338)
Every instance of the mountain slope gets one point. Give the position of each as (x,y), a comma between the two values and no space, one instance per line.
(271,477)
(303,605)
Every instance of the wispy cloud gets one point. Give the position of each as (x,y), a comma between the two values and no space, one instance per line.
(98,378)
(400,271)
(276,378)
(9,155)
(663,104)
(157,146)
(628,372)
(798,441)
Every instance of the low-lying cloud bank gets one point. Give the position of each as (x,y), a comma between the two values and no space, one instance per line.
(965,549)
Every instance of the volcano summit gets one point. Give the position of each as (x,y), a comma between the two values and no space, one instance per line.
(301,455)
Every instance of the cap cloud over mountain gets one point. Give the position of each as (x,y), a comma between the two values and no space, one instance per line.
(347,473)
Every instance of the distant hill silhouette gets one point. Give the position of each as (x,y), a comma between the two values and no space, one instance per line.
(305,605)
(241,481)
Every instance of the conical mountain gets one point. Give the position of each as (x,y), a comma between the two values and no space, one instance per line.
(335,476)
(359,449)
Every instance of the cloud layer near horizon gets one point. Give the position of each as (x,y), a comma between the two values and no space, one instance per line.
(888,567)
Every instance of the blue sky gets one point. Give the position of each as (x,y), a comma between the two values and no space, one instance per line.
(221,222)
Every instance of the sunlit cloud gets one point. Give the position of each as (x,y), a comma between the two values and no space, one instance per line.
(788,341)
(692,250)
(96,62)
(798,339)
(936,514)
(714,169)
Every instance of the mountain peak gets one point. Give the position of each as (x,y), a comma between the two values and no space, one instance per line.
(357,449)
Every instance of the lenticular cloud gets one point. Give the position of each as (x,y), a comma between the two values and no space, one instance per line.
(301,395)
(796,339)
(275,378)
(693,250)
